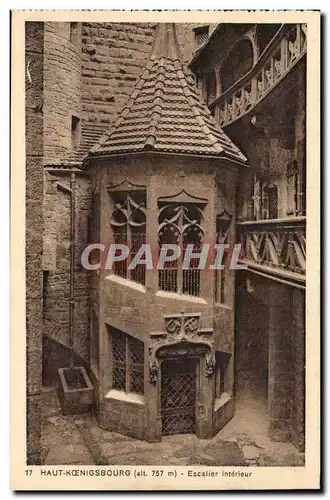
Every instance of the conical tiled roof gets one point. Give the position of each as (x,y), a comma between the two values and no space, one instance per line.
(165,112)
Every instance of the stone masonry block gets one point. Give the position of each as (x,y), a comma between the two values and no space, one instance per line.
(34,33)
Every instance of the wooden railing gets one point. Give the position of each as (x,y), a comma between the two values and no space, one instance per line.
(283,52)
(275,247)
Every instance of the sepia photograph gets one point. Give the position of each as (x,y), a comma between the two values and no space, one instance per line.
(166,201)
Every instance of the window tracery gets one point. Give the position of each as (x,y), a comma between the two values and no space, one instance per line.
(180,221)
(128,222)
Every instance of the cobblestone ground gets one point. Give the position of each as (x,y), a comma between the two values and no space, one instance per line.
(68,440)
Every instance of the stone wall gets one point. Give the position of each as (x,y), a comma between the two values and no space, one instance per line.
(57,278)
(186,40)
(124,417)
(299,373)
(62,88)
(34,39)
(270,343)
(300,140)
(113,57)
(223,415)
(280,359)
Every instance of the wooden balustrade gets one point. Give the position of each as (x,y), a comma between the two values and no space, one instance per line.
(283,52)
(275,247)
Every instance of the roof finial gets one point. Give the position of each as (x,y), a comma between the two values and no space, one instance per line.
(166,44)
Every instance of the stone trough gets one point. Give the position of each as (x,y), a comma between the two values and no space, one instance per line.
(76,392)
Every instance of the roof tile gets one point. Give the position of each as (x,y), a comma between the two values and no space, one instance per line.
(166,112)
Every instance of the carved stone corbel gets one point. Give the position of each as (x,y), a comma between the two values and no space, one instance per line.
(153,371)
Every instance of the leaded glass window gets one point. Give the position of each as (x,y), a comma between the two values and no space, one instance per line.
(180,222)
(128,223)
(119,361)
(127,363)
(136,360)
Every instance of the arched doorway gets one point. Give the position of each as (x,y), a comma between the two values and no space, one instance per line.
(181,374)
(265,32)
(186,388)
(238,62)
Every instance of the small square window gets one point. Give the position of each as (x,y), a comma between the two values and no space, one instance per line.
(201,35)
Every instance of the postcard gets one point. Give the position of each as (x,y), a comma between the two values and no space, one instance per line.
(165,250)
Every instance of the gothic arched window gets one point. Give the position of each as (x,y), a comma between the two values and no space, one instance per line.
(128,223)
(180,223)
